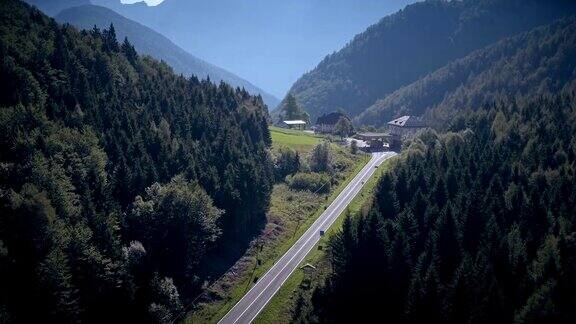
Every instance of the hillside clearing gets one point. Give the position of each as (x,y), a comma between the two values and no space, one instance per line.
(297,140)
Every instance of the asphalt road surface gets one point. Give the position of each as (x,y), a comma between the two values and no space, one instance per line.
(260,294)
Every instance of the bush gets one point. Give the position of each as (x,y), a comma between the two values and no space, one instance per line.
(321,158)
(315,182)
(354,147)
(287,162)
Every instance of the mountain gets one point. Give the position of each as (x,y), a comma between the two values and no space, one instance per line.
(271,43)
(53,7)
(475,222)
(118,177)
(412,43)
(148,41)
(531,64)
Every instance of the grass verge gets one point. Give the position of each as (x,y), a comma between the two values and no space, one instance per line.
(281,307)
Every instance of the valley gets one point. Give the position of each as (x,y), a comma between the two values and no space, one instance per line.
(286,305)
(290,215)
(418,169)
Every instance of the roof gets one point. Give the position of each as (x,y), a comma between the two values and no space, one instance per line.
(407,121)
(330,118)
(294,122)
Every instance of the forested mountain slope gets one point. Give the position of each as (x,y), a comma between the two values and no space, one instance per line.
(150,42)
(117,176)
(418,40)
(534,63)
(270,43)
(473,226)
(53,7)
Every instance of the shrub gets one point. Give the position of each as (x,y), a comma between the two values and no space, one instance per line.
(315,182)
(354,147)
(287,162)
(321,158)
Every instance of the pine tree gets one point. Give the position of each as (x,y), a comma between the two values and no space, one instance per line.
(110,42)
(129,51)
(293,111)
(344,127)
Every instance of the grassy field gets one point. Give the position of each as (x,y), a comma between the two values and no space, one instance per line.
(294,139)
(291,213)
(281,307)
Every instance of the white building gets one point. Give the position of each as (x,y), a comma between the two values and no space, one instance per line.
(403,128)
(293,124)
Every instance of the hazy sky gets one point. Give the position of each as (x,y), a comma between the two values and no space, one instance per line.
(271,43)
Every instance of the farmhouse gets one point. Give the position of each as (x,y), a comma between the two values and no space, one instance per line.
(293,124)
(404,128)
(327,122)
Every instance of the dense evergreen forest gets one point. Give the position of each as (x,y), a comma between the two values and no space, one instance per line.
(537,62)
(125,186)
(117,177)
(476,225)
(412,43)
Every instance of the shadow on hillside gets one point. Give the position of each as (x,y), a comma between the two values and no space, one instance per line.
(229,251)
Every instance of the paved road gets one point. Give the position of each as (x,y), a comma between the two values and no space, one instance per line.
(254,301)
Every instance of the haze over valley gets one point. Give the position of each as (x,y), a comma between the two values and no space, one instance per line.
(270,43)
